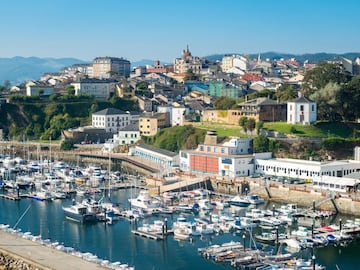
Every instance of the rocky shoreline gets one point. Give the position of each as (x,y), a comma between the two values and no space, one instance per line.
(11,262)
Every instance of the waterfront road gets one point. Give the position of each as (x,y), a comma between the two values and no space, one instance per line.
(42,256)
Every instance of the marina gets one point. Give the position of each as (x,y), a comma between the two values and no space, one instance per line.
(108,220)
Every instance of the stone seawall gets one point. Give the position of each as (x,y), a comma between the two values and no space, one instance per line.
(302,195)
(13,262)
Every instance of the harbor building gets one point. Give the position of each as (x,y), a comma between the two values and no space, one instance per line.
(165,158)
(232,158)
(305,169)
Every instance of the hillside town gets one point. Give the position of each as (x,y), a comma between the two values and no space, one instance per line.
(232,169)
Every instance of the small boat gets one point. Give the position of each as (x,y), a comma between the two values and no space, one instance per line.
(182,233)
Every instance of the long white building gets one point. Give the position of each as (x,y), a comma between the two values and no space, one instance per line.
(305,169)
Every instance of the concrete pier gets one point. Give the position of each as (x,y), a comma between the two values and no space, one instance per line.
(39,256)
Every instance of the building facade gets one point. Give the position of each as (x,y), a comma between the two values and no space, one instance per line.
(105,67)
(187,62)
(305,169)
(101,89)
(233,158)
(151,123)
(112,120)
(301,111)
(166,158)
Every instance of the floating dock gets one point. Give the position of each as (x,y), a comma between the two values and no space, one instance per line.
(12,197)
(149,235)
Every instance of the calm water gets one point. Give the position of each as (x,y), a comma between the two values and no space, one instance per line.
(116,242)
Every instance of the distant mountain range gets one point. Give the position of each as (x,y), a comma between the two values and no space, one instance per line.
(311,57)
(20,69)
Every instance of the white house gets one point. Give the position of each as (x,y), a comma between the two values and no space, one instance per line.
(301,111)
(112,120)
(37,88)
(176,113)
(127,135)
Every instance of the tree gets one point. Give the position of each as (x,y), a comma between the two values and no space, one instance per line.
(328,102)
(66,145)
(242,123)
(224,103)
(286,92)
(350,98)
(324,73)
(250,124)
(259,126)
(70,90)
(261,144)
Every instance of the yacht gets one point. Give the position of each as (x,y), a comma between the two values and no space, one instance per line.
(145,201)
(241,201)
(79,212)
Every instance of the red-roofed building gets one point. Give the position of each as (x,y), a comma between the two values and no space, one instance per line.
(251,77)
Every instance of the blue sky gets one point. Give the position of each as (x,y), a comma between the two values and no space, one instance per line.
(160,29)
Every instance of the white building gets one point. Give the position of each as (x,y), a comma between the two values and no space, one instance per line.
(234,64)
(101,89)
(127,135)
(166,158)
(36,88)
(336,184)
(177,113)
(301,111)
(305,169)
(112,120)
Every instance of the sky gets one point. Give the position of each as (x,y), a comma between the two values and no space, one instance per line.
(161,29)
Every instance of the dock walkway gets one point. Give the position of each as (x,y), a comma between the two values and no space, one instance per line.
(41,256)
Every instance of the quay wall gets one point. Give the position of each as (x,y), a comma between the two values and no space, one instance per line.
(302,195)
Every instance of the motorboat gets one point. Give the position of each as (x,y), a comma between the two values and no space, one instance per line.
(79,212)
(241,201)
(255,199)
(144,201)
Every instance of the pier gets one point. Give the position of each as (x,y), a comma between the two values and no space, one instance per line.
(149,235)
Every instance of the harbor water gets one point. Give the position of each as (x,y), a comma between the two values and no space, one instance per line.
(115,242)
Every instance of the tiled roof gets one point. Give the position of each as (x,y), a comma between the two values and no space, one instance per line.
(109,111)
(157,150)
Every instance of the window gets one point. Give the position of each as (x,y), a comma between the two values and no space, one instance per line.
(301,108)
(222,150)
(201,148)
(313,107)
(208,148)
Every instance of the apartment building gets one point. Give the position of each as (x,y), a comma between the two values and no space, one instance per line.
(105,67)
(100,88)
(151,123)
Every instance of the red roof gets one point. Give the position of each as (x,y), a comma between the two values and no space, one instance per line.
(251,77)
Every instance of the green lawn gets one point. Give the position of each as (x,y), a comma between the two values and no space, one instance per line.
(320,129)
